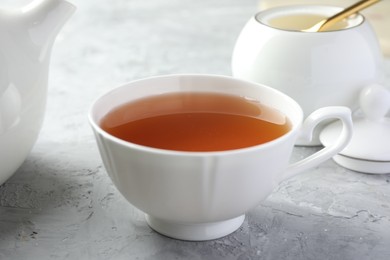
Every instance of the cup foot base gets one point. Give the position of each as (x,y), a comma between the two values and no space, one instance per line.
(195,231)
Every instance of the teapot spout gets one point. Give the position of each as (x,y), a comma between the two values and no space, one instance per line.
(44,19)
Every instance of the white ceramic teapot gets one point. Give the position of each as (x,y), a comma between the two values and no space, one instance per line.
(26,37)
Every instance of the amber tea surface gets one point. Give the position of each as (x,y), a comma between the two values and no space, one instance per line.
(196,122)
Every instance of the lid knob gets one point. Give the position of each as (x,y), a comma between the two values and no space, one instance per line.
(375,102)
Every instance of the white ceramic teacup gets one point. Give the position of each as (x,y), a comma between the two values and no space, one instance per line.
(316,69)
(204,195)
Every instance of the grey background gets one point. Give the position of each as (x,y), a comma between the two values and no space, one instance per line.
(61,204)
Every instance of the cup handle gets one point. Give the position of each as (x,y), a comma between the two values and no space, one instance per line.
(336,112)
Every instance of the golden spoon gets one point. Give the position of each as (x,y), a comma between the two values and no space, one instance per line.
(328,22)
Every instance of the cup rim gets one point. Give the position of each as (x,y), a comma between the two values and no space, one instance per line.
(95,125)
(306,9)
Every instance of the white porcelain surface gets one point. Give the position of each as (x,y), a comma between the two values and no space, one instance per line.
(316,69)
(369,148)
(26,38)
(191,188)
(63,193)
(364,166)
(195,231)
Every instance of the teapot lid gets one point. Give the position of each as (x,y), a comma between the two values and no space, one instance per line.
(369,148)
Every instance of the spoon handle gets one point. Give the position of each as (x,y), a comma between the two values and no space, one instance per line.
(347,12)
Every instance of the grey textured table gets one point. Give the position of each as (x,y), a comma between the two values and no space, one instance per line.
(61,204)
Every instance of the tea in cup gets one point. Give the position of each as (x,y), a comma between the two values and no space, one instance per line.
(195,122)
(196,152)
(316,69)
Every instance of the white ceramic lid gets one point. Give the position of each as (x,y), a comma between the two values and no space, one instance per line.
(369,148)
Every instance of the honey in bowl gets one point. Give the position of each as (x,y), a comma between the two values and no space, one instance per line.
(299,22)
(195,122)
